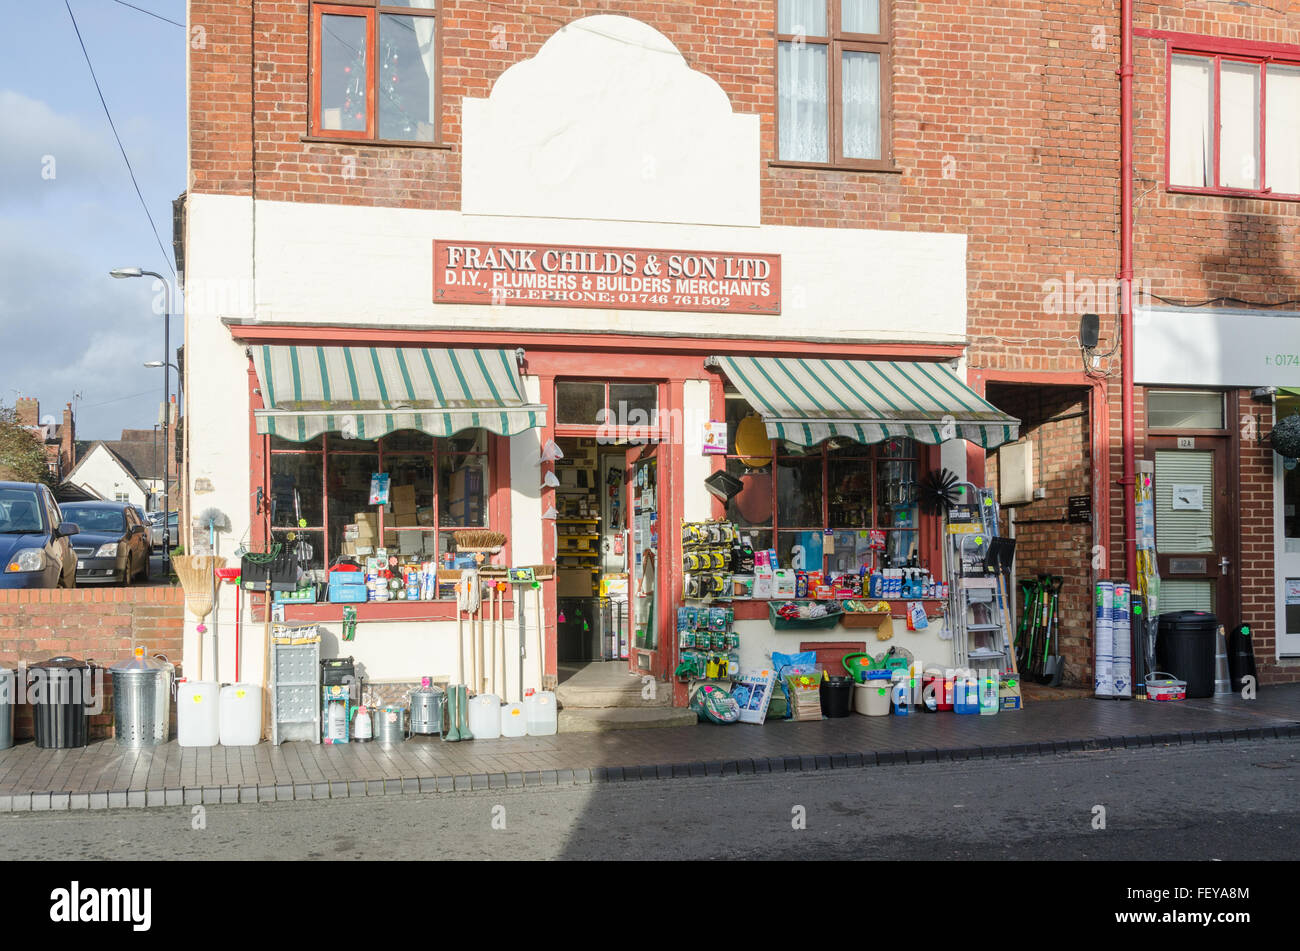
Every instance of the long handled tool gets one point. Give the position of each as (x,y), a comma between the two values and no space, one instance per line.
(1052,668)
(490,671)
(548,680)
(1022,630)
(501,637)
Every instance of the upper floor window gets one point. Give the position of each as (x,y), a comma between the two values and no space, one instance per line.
(375,71)
(833,82)
(1234,125)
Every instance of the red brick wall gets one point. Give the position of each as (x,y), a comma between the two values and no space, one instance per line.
(100,624)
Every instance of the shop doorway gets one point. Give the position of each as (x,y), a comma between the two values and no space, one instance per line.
(1194,503)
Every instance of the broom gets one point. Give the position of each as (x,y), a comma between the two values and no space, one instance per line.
(196,573)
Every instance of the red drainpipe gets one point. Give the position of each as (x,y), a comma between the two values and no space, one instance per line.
(1126,287)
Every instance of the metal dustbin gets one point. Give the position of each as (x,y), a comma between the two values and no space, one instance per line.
(142,700)
(59,690)
(8,696)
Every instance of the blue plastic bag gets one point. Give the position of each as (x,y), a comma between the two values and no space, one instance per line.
(785,662)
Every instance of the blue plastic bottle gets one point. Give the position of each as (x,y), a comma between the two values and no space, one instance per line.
(899,695)
(967,698)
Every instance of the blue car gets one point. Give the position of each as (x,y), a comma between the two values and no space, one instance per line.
(35,551)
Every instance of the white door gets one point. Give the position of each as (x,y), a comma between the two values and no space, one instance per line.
(1287,533)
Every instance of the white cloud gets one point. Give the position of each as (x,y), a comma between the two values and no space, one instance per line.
(46,154)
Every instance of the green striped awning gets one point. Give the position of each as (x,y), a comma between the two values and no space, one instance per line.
(807,400)
(367,392)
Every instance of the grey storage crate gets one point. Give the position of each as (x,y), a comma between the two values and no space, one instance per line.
(295,692)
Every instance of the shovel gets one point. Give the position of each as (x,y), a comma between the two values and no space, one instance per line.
(1054,664)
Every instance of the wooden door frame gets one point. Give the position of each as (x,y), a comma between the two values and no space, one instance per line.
(1227,606)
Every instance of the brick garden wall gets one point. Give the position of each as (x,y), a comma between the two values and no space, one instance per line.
(101,624)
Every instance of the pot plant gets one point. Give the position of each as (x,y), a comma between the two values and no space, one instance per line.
(1286,436)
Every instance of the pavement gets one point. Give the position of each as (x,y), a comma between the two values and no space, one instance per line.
(103,776)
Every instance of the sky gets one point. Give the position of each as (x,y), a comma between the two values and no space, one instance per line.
(69,213)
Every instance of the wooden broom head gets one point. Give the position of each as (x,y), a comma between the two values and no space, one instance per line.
(479,539)
(196,573)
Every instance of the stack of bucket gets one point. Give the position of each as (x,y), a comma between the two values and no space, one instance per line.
(1113,640)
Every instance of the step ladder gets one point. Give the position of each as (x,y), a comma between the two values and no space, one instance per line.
(976,557)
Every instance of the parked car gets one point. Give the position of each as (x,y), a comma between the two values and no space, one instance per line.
(156,529)
(113,544)
(35,546)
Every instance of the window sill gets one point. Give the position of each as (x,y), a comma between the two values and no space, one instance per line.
(380,611)
(381,143)
(883,169)
(1231,193)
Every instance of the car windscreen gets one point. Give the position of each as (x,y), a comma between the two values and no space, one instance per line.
(20,511)
(90,519)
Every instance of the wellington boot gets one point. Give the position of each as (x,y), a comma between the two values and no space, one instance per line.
(452,733)
(462,710)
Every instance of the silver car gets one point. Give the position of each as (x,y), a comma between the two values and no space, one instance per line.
(156,528)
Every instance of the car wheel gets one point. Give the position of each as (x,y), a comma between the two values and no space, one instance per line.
(126,573)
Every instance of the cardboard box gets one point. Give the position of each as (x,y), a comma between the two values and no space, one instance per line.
(427,515)
(402,499)
(410,543)
(573,582)
(1009,695)
(406,520)
(430,543)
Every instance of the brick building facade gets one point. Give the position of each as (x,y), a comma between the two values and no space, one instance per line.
(1001,125)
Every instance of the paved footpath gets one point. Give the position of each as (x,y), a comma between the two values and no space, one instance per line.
(101,776)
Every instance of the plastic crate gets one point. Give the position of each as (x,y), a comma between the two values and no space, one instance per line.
(303,595)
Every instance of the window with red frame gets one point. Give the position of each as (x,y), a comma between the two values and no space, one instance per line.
(1234,124)
(375,71)
(317,487)
(797,495)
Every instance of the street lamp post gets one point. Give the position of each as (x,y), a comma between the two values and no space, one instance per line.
(124,272)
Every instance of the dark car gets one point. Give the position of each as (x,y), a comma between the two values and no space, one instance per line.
(113,544)
(35,551)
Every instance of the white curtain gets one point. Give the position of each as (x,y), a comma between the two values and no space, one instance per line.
(1282,124)
(860,91)
(1239,115)
(803,102)
(1191,114)
(803,17)
(860,16)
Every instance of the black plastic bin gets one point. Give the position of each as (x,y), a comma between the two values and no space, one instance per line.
(59,690)
(1185,648)
(1241,657)
(837,696)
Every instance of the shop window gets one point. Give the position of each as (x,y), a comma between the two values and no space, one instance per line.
(621,410)
(375,71)
(833,83)
(1184,409)
(1234,125)
(838,491)
(317,488)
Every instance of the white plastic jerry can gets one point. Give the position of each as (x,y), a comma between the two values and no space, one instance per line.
(541,714)
(485,717)
(241,715)
(514,720)
(198,713)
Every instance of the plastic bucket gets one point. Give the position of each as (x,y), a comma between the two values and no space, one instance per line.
(871,699)
(837,696)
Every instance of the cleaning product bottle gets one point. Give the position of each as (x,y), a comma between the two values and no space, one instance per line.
(966,699)
(899,691)
(988,692)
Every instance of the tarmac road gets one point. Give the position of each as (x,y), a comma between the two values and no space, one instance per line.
(1235,801)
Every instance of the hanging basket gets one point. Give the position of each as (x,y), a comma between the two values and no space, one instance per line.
(1286,437)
